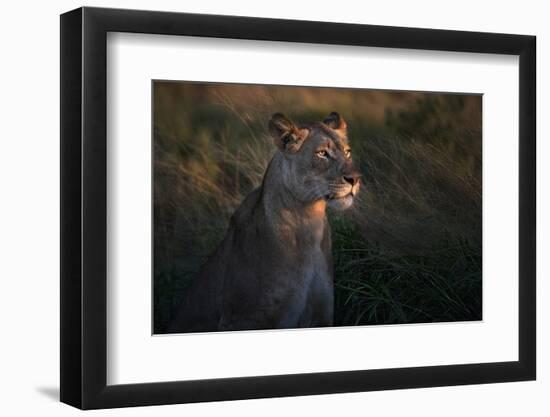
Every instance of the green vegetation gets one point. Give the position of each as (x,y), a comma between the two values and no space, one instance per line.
(410,248)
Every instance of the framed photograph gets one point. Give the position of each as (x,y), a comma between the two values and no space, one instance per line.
(257,208)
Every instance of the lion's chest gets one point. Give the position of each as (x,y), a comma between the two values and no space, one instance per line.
(310,299)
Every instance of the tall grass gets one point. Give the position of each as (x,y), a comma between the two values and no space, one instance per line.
(410,248)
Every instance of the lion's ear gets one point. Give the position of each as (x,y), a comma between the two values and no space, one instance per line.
(286,135)
(337,122)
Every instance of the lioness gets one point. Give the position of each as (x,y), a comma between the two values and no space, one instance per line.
(274,267)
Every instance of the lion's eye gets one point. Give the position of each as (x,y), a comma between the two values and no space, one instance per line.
(348,153)
(322,154)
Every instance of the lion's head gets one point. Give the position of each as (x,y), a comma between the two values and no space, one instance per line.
(317,160)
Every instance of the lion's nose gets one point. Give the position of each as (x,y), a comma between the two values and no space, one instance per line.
(351,179)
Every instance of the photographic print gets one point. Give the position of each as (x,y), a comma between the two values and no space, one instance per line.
(280,207)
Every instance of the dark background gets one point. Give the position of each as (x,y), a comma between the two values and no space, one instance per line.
(408,251)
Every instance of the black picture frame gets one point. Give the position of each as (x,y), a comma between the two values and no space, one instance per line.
(84,207)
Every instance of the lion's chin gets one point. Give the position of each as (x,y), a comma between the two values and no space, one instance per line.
(341,203)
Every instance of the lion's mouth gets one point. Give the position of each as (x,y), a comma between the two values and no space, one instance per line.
(341,196)
(337,196)
(342,191)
